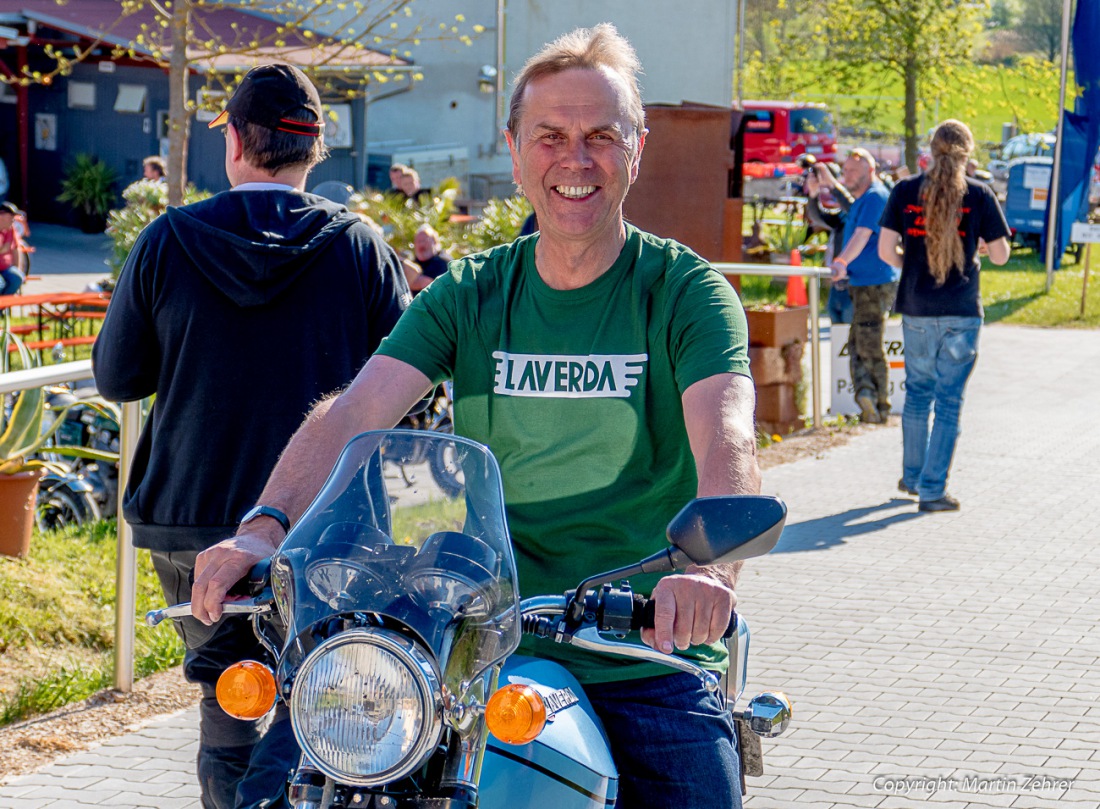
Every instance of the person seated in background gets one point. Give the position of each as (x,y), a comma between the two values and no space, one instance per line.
(397,170)
(411,188)
(11,277)
(154,170)
(430,259)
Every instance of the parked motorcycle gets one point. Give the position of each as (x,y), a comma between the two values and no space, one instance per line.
(394,614)
(81,480)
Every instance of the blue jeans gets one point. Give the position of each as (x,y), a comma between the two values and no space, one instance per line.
(940,353)
(839,306)
(10,281)
(673,743)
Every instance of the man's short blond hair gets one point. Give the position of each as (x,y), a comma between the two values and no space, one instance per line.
(599,48)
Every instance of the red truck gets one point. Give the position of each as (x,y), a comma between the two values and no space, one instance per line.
(780,131)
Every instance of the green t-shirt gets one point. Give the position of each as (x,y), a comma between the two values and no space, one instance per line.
(578,395)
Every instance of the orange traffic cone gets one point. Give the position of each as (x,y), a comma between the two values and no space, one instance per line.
(796,286)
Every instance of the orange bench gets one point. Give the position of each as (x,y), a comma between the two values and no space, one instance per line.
(37,345)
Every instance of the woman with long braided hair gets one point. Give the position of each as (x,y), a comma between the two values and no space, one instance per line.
(935,228)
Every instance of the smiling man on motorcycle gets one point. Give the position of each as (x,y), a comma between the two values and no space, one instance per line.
(608,371)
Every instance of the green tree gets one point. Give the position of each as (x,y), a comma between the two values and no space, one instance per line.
(183,38)
(929,44)
(1041,26)
(1001,14)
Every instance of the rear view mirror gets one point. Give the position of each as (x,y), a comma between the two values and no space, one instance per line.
(720,530)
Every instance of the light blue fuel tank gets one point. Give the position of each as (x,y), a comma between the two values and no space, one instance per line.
(568,766)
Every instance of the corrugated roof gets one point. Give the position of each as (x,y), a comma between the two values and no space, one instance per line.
(231,28)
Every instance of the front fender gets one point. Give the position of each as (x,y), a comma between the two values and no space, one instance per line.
(568,766)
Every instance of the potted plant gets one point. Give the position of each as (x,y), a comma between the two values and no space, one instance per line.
(22,437)
(776,325)
(88,186)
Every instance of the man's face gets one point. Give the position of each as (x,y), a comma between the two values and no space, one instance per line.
(857,175)
(395,178)
(424,246)
(576,153)
(150,172)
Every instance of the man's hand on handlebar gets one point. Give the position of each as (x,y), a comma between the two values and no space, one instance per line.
(218,568)
(689,610)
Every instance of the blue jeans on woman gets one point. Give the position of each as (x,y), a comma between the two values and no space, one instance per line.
(674,744)
(940,353)
(10,281)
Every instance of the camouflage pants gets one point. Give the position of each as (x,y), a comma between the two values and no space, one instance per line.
(867,361)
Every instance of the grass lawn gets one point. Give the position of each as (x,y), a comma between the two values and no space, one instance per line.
(57,621)
(1016,293)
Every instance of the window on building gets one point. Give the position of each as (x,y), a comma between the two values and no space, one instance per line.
(131,98)
(81,95)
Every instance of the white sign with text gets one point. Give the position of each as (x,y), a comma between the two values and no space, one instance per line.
(843,396)
(1085,233)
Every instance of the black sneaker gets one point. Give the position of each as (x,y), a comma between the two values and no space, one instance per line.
(905,489)
(945,503)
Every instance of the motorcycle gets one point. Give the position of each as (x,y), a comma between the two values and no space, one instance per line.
(394,616)
(81,480)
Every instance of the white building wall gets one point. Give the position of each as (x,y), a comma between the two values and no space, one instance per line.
(686,49)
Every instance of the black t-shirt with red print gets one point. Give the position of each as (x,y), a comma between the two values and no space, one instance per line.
(960,294)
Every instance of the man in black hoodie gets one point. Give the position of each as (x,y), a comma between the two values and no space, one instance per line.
(239,313)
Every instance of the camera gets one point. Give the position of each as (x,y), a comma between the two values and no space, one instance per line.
(806,161)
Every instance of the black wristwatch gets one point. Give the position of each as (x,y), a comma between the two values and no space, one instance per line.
(268,511)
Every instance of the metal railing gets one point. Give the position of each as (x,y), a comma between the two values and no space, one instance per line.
(126,563)
(814,274)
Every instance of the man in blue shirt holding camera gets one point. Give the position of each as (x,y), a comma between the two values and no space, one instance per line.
(873,284)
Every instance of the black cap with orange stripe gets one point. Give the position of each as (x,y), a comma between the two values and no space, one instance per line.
(278,97)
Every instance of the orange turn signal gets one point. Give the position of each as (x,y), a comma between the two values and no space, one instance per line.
(246,690)
(516,714)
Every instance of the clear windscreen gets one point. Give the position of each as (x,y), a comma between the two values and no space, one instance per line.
(410,530)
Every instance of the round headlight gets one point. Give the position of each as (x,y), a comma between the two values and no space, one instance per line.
(366,707)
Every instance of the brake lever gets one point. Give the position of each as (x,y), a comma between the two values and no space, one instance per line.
(252,606)
(590,639)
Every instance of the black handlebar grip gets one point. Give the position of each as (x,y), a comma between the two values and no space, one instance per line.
(250,585)
(643,616)
(254,583)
